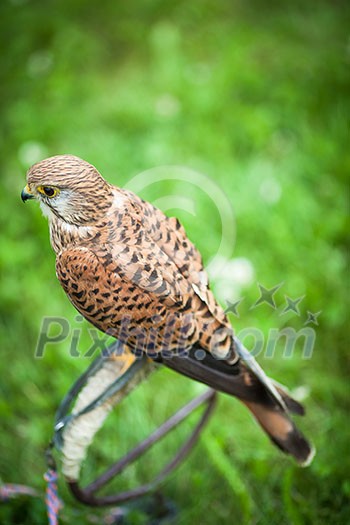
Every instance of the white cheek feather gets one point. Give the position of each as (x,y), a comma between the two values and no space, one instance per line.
(61,202)
(64,209)
(46,210)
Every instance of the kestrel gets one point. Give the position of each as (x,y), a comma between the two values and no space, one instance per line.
(133,273)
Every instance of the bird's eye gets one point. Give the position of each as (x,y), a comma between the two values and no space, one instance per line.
(49,191)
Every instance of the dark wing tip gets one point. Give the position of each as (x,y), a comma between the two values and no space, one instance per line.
(293,406)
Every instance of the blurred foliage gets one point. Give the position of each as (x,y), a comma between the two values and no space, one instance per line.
(256,96)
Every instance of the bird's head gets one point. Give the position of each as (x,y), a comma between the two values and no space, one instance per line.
(69,188)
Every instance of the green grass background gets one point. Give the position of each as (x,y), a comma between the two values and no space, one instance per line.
(253,94)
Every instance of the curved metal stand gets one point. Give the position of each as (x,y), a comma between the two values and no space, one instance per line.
(87,495)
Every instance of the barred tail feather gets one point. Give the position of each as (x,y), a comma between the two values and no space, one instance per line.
(267,401)
(283,432)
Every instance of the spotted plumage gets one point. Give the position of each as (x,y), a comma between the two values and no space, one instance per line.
(133,273)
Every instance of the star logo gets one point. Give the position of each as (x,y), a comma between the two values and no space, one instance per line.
(292,305)
(312,317)
(266,296)
(232,307)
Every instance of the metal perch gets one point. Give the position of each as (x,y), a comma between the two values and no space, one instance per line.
(106,382)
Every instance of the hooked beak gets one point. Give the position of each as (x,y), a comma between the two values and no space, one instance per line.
(26,195)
